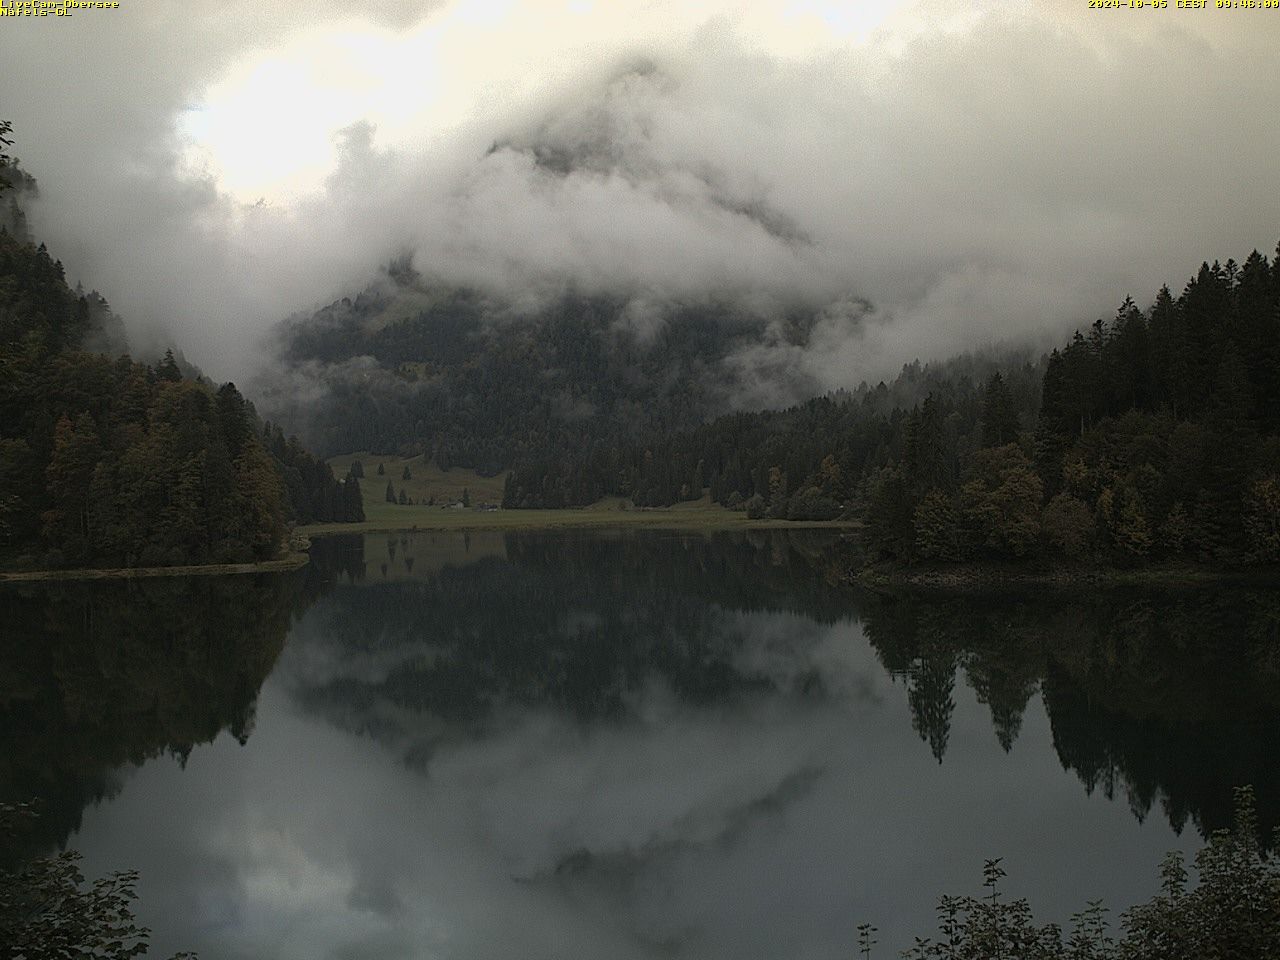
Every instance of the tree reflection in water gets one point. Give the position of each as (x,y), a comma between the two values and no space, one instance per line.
(1167,699)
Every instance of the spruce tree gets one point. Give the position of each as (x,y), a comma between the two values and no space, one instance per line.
(167,368)
(76,451)
(352,500)
(233,418)
(1228,468)
(999,418)
(1167,351)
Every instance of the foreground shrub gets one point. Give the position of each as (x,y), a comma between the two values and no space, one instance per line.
(1232,913)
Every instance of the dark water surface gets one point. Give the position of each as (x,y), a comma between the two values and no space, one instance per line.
(640,745)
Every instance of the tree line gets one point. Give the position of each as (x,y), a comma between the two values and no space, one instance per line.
(1157,436)
(1151,435)
(114,462)
(411,368)
(804,462)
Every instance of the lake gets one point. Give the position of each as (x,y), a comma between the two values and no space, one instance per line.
(619,745)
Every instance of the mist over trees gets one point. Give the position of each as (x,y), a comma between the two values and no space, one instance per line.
(1151,435)
(1155,434)
(804,462)
(113,462)
(414,369)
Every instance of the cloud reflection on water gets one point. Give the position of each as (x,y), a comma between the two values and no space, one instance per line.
(757,795)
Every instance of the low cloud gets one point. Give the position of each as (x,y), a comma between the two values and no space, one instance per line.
(1002,175)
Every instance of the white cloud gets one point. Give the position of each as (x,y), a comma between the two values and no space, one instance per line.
(1008,171)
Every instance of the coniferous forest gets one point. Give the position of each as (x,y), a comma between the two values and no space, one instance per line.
(1153,435)
(107,461)
(711,481)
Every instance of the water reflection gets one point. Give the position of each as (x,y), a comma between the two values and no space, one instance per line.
(581,625)
(636,745)
(1168,698)
(98,677)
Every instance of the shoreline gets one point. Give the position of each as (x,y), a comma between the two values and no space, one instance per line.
(978,577)
(435,520)
(292,561)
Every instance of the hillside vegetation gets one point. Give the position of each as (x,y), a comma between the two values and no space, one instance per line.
(109,462)
(1152,436)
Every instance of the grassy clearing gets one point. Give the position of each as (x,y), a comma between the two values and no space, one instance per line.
(426,482)
(699,515)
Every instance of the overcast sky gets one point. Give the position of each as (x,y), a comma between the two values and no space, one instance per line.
(977,171)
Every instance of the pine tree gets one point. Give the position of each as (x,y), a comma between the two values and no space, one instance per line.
(233,418)
(1167,351)
(889,516)
(1052,425)
(1131,372)
(1257,330)
(352,501)
(1232,429)
(999,418)
(76,452)
(167,369)
(1204,306)
(258,498)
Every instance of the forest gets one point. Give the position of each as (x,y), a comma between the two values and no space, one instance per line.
(108,461)
(1155,434)
(411,368)
(1151,436)
(1148,437)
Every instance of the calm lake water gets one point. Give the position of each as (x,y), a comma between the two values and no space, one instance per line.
(614,746)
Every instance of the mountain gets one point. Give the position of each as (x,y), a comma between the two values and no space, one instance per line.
(412,367)
(1152,435)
